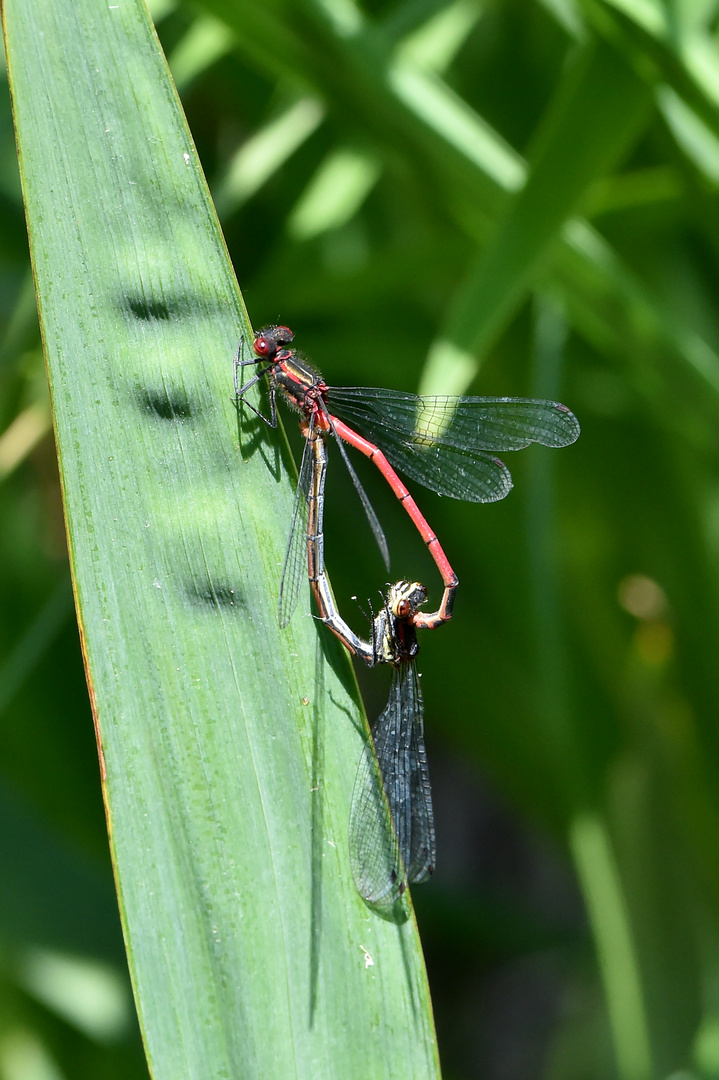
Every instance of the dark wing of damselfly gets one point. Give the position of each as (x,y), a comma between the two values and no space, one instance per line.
(391,830)
(294,570)
(377,530)
(447,443)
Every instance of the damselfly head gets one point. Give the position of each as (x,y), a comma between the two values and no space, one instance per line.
(393,630)
(270,340)
(405,598)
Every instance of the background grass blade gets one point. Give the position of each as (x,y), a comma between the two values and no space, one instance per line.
(581,138)
(222,740)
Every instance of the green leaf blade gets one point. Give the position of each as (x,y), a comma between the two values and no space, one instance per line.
(229,748)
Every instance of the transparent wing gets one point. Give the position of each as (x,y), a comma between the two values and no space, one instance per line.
(420,858)
(447,443)
(391,831)
(294,570)
(377,530)
(374,852)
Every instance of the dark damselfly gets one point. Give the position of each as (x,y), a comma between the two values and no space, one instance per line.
(391,829)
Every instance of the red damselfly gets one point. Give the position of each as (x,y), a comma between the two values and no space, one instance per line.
(444,443)
(391,830)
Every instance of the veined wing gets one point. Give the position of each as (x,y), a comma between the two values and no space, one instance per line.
(421,854)
(377,530)
(294,570)
(391,831)
(447,443)
(490,424)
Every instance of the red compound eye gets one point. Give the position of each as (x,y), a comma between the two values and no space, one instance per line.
(261,346)
(403,609)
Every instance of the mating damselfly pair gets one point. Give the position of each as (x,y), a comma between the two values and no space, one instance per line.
(448,445)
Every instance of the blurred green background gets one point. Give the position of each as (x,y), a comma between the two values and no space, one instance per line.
(514,198)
